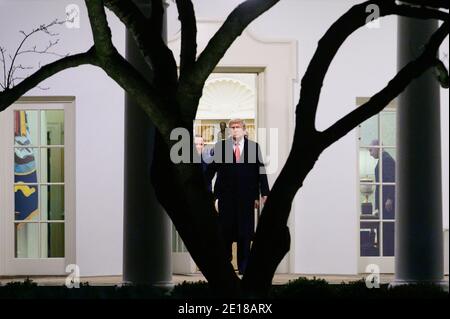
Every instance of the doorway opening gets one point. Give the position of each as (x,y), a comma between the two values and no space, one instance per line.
(225,96)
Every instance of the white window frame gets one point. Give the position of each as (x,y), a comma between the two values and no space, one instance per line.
(9,265)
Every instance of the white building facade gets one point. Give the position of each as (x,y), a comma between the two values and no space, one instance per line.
(265,66)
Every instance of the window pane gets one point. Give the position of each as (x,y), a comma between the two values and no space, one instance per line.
(367,166)
(26,237)
(387,171)
(388,199)
(26,162)
(388,239)
(52,165)
(388,191)
(26,202)
(25,128)
(388,126)
(52,127)
(174,239)
(52,202)
(367,201)
(369,131)
(52,240)
(389,158)
(369,238)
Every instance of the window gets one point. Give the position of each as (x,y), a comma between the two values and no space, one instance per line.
(39,184)
(377,156)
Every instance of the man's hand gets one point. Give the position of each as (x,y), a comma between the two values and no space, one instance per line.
(389,206)
(263,201)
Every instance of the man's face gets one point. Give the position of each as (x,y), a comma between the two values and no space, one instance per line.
(374,152)
(237,131)
(199,144)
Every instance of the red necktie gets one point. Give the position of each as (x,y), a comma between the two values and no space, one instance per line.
(237,152)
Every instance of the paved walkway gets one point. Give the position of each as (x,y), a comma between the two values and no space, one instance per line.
(117,280)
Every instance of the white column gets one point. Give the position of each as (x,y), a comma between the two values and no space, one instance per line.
(147,228)
(419,230)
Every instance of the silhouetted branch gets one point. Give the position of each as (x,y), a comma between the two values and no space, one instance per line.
(157,16)
(100,28)
(43,88)
(13,71)
(233,27)
(186,15)
(399,83)
(331,42)
(145,95)
(9,78)
(2,52)
(135,22)
(429,3)
(192,85)
(272,239)
(45,50)
(442,74)
(147,34)
(10,95)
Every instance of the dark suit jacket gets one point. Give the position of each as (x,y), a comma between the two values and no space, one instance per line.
(388,190)
(205,159)
(237,187)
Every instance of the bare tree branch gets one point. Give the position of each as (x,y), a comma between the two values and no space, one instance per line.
(13,71)
(43,88)
(9,96)
(45,50)
(397,85)
(134,83)
(331,42)
(429,3)
(147,34)
(135,22)
(233,27)
(442,74)
(100,28)
(420,12)
(128,77)
(157,16)
(192,85)
(186,15)
(2,52)
(272,239)
(42,28)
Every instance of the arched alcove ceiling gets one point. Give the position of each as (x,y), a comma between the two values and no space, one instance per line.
(226,98)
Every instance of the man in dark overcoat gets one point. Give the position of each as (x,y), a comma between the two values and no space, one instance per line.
(241,182)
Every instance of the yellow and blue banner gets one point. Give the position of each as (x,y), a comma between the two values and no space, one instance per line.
(25,173)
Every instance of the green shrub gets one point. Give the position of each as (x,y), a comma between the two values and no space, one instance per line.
(301,288)
(195,290)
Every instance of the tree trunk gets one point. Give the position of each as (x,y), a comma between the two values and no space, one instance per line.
(272,239)
(182,192)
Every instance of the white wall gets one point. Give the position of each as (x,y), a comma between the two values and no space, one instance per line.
(99,128)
